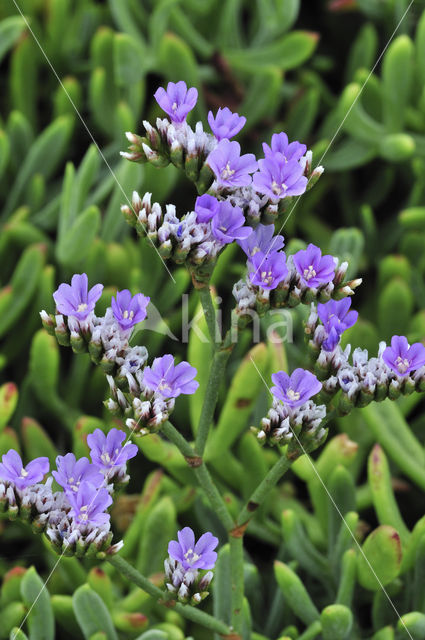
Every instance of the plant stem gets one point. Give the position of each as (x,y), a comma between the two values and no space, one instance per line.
(237,581)
(268,482)
(180,441)
(210,315)
(200,617)
(216,375)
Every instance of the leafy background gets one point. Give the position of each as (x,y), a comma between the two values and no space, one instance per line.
(286,65)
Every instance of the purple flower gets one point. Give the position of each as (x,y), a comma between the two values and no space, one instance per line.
(230,168)
(170,380)
(225,124)
(261,239)
(89,505)
(296,389)
(177,101)
(278,178)
(106,451)
(336,318)
(194,556)
(267,270)
(228,224)
(280,144)
(313,268)
(71,473)
(403,359)
(129,310)
(75,299)
(206,207)
(12,470)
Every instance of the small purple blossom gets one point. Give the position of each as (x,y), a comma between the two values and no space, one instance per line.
(228,224)
(206,207)
(313,268)
(336,319)
(191,555)
(402,358)
(296,389)
(230,168)
(75,299)
(12,470)
(89,505)
(170,380)
(177,100)
(261,239)
(280,144)
(71,473)
(129,310)
(225,124)
(106,451)
(267,270)
(278,178)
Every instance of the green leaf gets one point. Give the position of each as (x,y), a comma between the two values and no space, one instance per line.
(76,243)
(349,154)
(153,634)
(159,529)
(221,586)
(44,365)
(295,593)
(397,147)
(41,621)
(24,77)
(363,52)
(337,622)
(263,95)
(4,151)
(129,59)
(8,401)
(380,561)
(92,614)
(17,634)
(396,82)
(10,30)
(355,119)
(347,245)
(395,306)
(37,442)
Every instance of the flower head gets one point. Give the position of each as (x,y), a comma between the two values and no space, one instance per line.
(206,207)
(129,310)
(313,268)
(280,144)
(267,270)
(402,358)
(228,224)
(296,389)
(336,319)
(170,380)
(225,124)
(12,470)
(194,556)
(177,100)
(106,451)
(75,299)
(278,178)
(261,239)
(71,473)
(89,505)
(230,168)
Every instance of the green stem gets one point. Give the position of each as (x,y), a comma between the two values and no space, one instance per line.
(268,482)
(200,617)
(210,315)
(237,581)
(180,441)
(218,367)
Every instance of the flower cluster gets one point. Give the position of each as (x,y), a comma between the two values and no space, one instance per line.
(188,567)
(75,518)
(145,395)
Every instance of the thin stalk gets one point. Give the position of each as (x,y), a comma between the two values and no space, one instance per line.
(210,315)
(180,441)
(237,581)
(200,617)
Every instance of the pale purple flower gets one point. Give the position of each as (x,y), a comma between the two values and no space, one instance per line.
(313,268)
(71,473)
(228,224)
(261,239)
(191,555)
(89,504)
(129,310)
(280,144)
(230,168)
(170,380)
(177,100)
(75,299)
(107,450)
(278,178)
(402,358)
(267,270)
(206,207)
(225,124)
(296,389)
(12,470)
(336,318)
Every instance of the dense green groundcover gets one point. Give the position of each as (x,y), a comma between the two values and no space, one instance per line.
(287,65)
